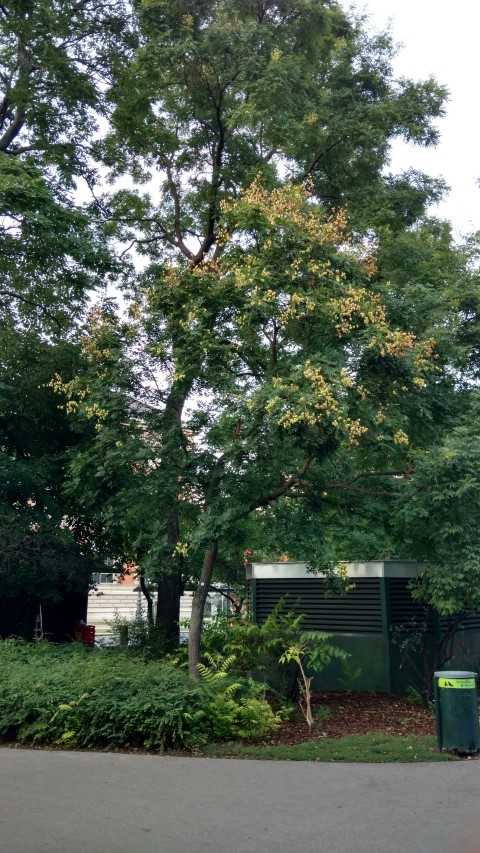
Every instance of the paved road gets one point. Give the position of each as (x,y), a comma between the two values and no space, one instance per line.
(54,802)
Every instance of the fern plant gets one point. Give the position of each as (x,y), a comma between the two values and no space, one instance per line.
(235,709)
(218,667)
(350,674)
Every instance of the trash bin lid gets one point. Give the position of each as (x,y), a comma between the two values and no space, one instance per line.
(454,673)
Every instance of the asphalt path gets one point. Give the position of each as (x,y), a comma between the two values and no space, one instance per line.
(73,802)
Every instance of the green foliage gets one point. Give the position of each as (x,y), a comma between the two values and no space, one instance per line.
(235,708)
(314,650)
(146,640)
(244,717)
(414,696)
(216,670)
(350,674)
(242,88)
(43,230)
(45,551)
(55,60)
(312,653)
(438,519)
(255,648)
(115,698)
(99,698)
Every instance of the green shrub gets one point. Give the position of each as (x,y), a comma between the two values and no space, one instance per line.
(112,698)
(254,646)
(232,717)
(236,708)
(257,648)
(95,698)
(149,640)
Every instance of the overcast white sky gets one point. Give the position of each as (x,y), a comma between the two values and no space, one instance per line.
(442,39)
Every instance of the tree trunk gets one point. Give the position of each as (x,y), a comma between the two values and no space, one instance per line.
(168,608)
(198,605)
(149,601)
(169,590)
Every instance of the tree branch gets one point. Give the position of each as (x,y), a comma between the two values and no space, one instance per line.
(21,298)
(12,131)
(25,150)
(272,496)
(216,179)
(178,215)
(348,484)
(308,171)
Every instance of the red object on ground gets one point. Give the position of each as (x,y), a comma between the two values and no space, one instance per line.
(85,634)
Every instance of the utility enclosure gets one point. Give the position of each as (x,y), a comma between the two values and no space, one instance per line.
(362,622)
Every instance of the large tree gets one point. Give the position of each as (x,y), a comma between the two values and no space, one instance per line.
(56,61)
(217,95)
(303,386)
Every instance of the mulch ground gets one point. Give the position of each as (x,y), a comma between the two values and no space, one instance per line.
(357,713)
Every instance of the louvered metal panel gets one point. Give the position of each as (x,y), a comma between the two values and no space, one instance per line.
(403,608)
(471,623)
(359,611)
(468,623)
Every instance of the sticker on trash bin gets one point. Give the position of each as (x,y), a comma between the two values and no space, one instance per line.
(458,683)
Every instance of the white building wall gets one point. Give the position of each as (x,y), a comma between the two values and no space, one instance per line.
(110,602)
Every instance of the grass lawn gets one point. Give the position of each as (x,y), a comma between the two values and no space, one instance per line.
(376,747)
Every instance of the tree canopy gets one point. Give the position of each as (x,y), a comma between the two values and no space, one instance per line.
(298,340)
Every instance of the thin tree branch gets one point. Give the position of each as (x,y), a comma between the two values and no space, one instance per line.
(378,494)
(308,171)
(216,179)
(25,150)
(21,298)
(348,484)
(272,496)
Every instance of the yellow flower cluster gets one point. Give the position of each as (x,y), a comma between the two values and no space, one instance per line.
(397,343)
(299,306)
(355,429)
(260,297)
(425,354)
(401,438)
(94,411)
(180,550)
(357,307)
(289,205)
(315,409)
(394,343)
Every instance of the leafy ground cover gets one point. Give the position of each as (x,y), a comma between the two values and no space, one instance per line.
(72,697)
(114,699)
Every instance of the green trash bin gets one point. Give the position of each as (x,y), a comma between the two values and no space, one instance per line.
(456,710)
